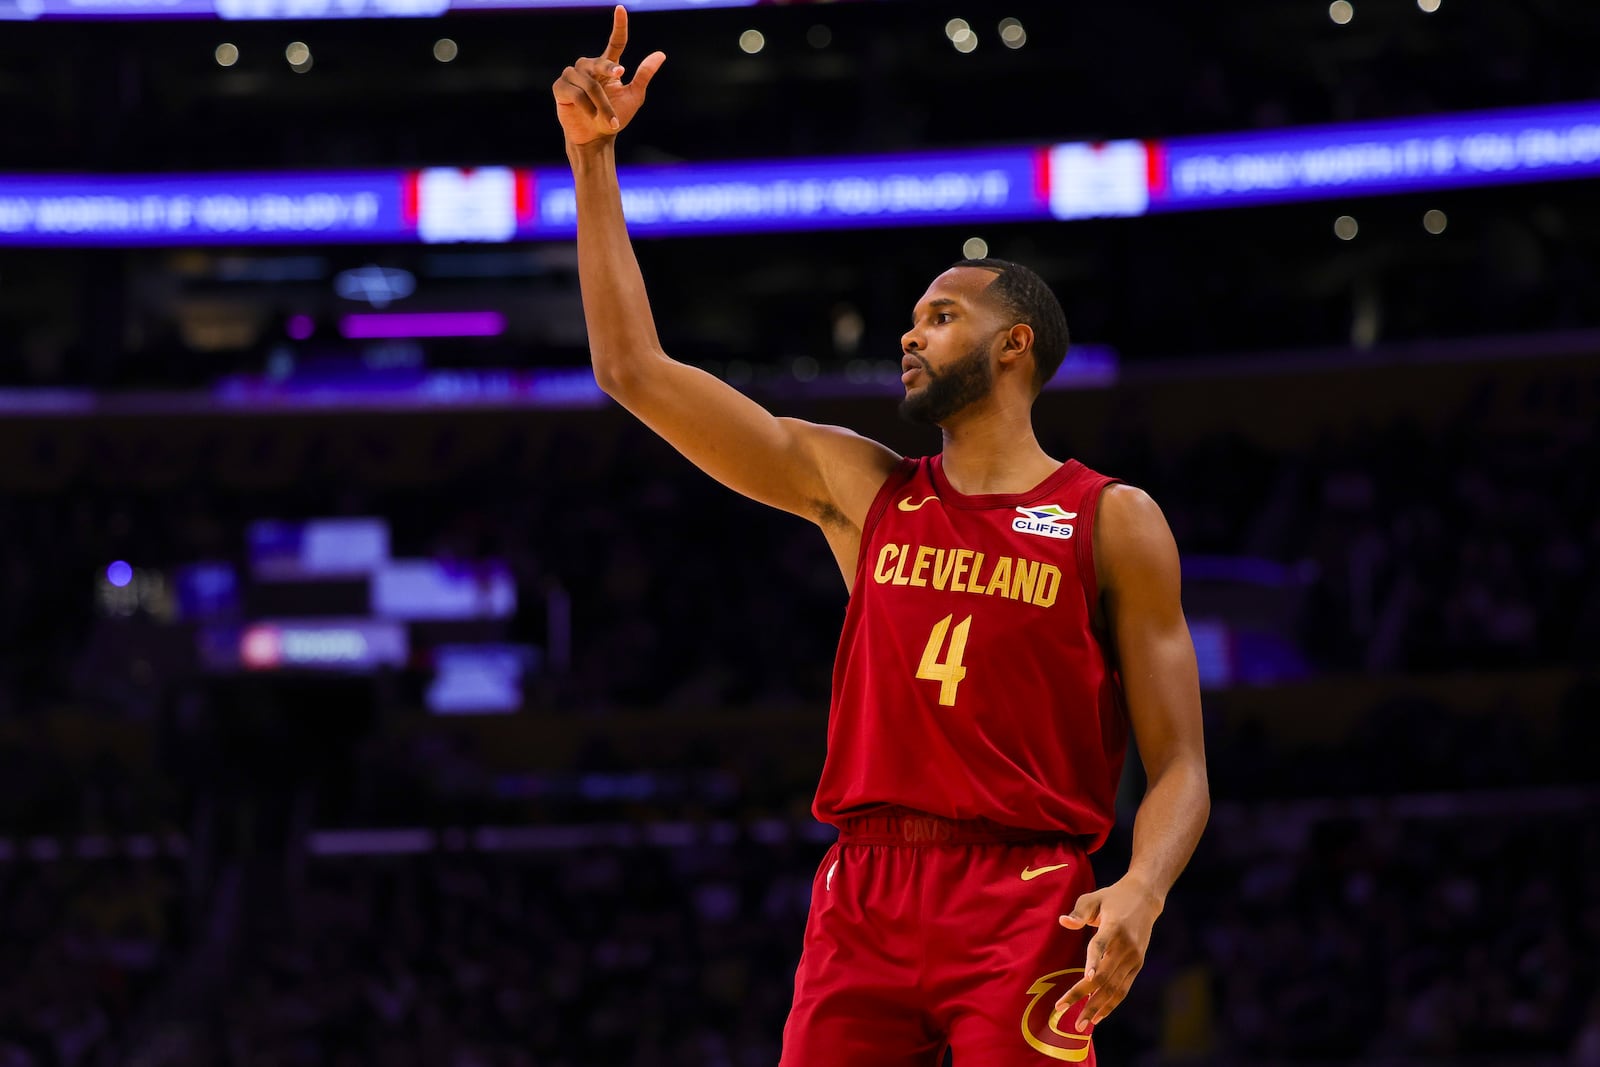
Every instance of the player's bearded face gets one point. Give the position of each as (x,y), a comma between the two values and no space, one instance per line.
(963,382)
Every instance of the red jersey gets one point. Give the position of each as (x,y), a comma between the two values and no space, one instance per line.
(969,683)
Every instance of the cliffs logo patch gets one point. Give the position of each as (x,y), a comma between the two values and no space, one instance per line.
(1048,521)
(1051,1032)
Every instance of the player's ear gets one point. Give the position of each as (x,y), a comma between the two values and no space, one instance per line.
(1018,342)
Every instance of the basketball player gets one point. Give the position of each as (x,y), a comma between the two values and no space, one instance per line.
(1010,617)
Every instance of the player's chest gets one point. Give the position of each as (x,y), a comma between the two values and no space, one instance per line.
(1021,555)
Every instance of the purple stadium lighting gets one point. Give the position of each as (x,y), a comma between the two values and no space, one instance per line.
(409,324)
(119,573)
(300,327)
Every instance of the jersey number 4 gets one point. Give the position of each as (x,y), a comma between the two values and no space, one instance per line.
(948,672)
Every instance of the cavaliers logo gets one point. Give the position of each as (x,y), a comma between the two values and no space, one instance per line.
(1050,1031)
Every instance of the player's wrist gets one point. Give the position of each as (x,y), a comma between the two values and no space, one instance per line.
(599,150)
(1154,896)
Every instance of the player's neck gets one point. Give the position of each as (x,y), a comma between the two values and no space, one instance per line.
(995,452)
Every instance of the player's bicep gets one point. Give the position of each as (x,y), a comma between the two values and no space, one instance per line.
(817,472)
(1155,654)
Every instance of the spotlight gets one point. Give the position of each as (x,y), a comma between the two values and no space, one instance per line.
(1345,228)
(1435,222)
(975,248)
(226,54)
(752,41)
(444,50)
(1012,35)
(1341,11)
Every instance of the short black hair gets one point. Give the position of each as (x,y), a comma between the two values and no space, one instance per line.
(1025,295)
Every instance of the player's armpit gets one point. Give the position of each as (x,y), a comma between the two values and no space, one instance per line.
(823,473)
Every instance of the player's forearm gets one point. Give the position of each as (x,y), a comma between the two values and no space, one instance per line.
(616,308)
(1166,829)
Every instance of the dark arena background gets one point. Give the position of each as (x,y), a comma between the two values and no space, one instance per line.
(373,690)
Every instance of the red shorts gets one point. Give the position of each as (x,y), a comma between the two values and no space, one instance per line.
(927,934)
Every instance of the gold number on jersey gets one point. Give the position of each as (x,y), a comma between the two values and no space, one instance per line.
(949,671)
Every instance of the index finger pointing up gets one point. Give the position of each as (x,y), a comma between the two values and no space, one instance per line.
(619,34)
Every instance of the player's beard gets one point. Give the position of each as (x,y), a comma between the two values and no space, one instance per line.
(967,380)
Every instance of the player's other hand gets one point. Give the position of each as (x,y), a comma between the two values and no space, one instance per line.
(592,101)
(1124,913)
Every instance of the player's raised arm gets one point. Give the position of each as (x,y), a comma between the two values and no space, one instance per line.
(823,473)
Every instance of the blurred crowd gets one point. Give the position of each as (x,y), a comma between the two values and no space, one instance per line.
(1395,547)
(1440,938)
(83,944)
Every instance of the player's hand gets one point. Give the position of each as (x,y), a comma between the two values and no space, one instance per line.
(1124,913)
(592,101)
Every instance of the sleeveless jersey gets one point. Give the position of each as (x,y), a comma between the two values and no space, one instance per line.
(969,683)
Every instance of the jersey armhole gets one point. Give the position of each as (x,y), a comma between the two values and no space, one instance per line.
(900,475)
(1089,509)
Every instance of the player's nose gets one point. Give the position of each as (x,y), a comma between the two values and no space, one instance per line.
(910,341)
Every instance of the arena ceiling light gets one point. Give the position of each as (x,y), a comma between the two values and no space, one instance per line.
(299,56)
(960,34)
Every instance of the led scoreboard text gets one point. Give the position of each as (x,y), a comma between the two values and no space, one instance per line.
(1047,182)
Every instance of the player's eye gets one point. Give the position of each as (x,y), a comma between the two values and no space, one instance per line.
(943,316)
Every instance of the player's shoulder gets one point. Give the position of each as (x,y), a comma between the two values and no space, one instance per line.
(1132,540)
(840,446)
(1128,513)
(1129,503)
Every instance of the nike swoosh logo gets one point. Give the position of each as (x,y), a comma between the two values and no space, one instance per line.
(1030,873)
(907,505)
